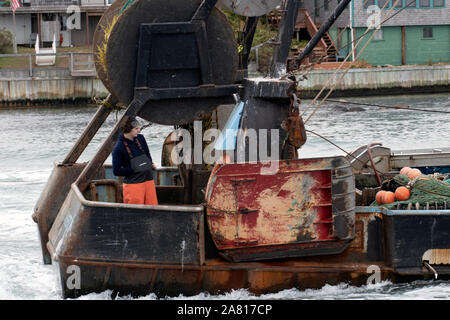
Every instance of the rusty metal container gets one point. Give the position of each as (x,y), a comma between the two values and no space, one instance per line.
(51,199)
(303,208)
(114,231)
(103,233)
(417,236)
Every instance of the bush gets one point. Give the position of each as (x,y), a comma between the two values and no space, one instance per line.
(6,41)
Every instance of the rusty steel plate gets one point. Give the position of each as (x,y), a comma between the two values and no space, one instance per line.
(105,23)
(121,57)
(250,207)
(251,8)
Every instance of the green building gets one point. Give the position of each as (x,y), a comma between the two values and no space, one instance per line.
(404,32)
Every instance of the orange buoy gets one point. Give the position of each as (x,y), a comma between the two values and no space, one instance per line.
(402,193)
(379,196)
(388,197)
(405,170)
(414,173)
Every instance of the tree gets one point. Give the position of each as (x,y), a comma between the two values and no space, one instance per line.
(6,41)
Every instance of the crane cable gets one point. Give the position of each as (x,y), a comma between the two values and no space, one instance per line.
(310,66)
(347,68)
(349,154)
(397,106)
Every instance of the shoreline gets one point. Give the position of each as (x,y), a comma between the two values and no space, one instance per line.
(45,103)
(378,81)
(395,91)
(52,86)
(303,94)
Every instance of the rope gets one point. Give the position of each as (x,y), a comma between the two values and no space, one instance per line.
(424,190)
(397,106)
(342,64)
(324,56)
(116,108)
(107,104)
(393,15)
(348,68)
(347,153)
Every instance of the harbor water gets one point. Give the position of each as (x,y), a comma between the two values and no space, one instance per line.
(32,139)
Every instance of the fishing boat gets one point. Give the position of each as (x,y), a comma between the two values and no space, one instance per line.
(271,222)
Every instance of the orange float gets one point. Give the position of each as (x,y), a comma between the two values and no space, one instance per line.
(405,170)
(388,197)
(379,196)
(402,193)
(414,173)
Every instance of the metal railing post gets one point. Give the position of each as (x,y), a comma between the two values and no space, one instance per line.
(30,60)
(71,62)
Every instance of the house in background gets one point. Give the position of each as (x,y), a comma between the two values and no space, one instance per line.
(55,17)
(418,34)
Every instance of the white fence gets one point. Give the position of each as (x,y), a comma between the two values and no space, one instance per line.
(80,64)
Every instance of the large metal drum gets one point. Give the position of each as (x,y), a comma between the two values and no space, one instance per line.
(117,68)
(101,36)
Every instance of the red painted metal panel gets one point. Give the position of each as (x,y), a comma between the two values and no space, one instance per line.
(294,205)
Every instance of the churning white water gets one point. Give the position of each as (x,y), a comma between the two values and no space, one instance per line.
(31,140)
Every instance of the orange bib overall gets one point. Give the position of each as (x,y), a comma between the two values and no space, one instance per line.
(140,193)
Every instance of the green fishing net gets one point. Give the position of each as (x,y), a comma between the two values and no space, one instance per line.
(425,190)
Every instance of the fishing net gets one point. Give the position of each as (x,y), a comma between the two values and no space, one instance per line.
(425,191)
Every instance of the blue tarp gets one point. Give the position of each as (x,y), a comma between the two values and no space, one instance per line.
(227,138)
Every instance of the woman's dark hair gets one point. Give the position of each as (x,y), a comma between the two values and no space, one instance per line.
(127,127)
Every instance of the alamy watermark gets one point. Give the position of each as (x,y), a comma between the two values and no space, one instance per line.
(74,18)
(74,280)
(375,274)
(236,145)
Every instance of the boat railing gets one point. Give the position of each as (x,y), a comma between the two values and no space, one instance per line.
(89,203)
(394,212)
(163,179)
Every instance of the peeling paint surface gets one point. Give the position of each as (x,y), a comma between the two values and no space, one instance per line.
(246,208)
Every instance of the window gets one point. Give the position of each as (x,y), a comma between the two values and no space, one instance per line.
(49,17)
(379,35)
(412,4)
(428,33)
(399,4)
(63,23)
(368,3)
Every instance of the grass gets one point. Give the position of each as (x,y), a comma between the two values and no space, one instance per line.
(23,62)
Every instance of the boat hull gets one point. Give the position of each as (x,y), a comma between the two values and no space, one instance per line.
(99,243)
(216,277)
(94,262)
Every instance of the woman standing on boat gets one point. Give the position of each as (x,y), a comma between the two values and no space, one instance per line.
(131,159)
